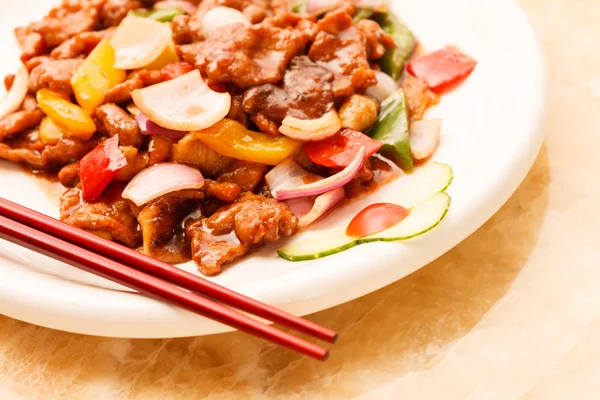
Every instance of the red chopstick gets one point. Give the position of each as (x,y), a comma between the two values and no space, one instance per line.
(104,258)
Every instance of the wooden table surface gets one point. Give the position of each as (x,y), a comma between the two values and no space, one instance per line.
(512,312)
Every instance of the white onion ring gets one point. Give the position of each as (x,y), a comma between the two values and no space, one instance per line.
(15,96)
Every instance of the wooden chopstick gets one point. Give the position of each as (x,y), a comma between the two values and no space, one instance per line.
(65,251)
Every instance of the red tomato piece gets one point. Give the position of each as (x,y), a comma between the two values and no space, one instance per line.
(176,69)
(442,70)
(376,218)
(99,167)
(340,149)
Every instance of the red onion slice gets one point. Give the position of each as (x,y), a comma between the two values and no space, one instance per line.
(161,179)
(150,128)
(15,96)
(309,210)
(325,185)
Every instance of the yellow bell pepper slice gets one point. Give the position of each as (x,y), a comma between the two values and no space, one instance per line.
(168,56)
(50,132)
(232,139)
(74,119)
(95,76)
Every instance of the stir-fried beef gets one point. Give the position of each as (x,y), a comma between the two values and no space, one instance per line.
(55,75)
(68,176)
(114,11)
(418,96)
(377,40)
(342,48)
(223,191)
(121,93)
(82,43)
(116,121)
(246,56)
(110,216)
(19,121)
(246,175)
(238,228)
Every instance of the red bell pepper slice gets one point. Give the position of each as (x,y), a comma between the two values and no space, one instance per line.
(176,69)
(376,218)
(99,167)
(442,70)
(339,150)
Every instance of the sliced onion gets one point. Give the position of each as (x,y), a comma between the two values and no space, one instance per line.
(139,41)
(182,5)
(150,128)
(288,174)
(309,210)
(333,182)
(15,96)
(424,137)
(185,103)
(312,130)
(221,16)
(133,110)
(161,179)
(386,85)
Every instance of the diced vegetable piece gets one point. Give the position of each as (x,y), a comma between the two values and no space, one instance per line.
(309,210)
(338,151)
(443,69)
(376,218)
(392,130)
(150,128)
(419,192)
(299,7)
(392,63)
(50,132)
(175,70)
(386,86)
(73,118)
(422,218)
(99,167)
(424,137)
(363,13)
(95,76)
(232,139)
(311,130)
(160,15)
(220,16)
(15,96)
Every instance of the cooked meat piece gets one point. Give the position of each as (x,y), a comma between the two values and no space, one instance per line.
(342,48)
(29,103)
(69,175)
(377,40)
(67,20)
(182,34)
(163,232)
(238,228)
(223,191)
(306,94)
(359,112)
(190,150)
(31,43)
(236,112)
(81,44)
(362,182)
(35,61)
(117,122)
(29,149)
(150,76)
(418,96)
(114,11)
(121,92)
(247,175)
(55,75)
(246,56)
(265,124)
(159,149)
(137,160)
(8,81)
(19,121)
(110,217)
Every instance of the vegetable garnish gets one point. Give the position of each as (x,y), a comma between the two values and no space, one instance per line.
(392,63)
(66,114)
(325,185)
(161,179)
(385,87)
(95,76)
(338,151)
(424,137)
(185,103)
(392,130)
(221,16)
(99,167)
(50,132)
(312,130)
(309,210)
(15,96)
(376,218)
(444,69)
(176,69)
(232,139)
(150,128)
(160,14)
(139,42)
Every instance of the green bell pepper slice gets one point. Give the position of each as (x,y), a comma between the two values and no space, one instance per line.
(392,63)
(161,15)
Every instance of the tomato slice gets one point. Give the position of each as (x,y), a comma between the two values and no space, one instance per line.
(376,218)
(442,70)
(340,149)
(99,167)
(173,70)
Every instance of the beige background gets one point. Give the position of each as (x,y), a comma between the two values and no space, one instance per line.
(512,312)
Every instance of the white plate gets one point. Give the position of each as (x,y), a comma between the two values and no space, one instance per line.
(491,136)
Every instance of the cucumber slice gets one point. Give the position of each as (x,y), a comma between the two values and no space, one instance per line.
(423,217)
(422,192)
